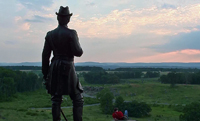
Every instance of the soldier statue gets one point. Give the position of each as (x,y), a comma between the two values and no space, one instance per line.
(59,75)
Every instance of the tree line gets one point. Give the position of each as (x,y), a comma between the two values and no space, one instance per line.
(158,69)
(23,67)
(78,68)
(88,68)
(103,77)
(12,82)
(180,78)
(95,68)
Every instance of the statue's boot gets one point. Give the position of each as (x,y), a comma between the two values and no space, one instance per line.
(77,113)
(56,111)
(77,107)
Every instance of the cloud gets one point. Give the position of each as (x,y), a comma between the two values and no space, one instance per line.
(168,6)
(37,18)
(187,55)
(11,42)
(90,4)
(190,52)
(180,42)
(25,26)
(128,21)
(36,5)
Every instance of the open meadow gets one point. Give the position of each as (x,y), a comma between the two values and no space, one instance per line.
(162,98)
(35,106)
(166,101)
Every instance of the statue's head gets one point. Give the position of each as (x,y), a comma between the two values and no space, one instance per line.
(63,16)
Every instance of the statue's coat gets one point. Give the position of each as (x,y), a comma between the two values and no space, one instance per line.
(60,74)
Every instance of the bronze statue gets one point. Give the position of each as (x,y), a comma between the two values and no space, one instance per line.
(60,76)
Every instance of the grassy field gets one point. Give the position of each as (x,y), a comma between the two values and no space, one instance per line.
(92,113)
(150,90)
(21,109)
(155,92)
(24,106)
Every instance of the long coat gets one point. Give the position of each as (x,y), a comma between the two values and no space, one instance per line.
(60,75)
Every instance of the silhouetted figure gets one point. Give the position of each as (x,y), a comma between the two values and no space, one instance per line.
(60,76)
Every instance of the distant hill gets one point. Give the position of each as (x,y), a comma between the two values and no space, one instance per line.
(117,65)
(140,65)
(22,64)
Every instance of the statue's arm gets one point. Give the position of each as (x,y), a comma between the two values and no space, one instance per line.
(75,45)
(46,56)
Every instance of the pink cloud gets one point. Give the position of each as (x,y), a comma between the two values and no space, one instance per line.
(190,52)
(187,55)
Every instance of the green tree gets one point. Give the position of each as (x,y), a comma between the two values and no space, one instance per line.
(137,109)
(172,79)
(106,97)
(7,88)
(119,102)
(191,112)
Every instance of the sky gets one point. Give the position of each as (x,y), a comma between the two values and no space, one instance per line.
(109,30)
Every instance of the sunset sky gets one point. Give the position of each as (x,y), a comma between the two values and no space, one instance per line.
(109,30)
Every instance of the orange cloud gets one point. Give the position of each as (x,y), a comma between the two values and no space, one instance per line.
(190,52)
(25,26)
(187,55)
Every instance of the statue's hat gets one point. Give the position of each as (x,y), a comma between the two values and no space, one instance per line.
(64,11)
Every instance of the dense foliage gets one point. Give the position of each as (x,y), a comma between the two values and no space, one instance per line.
(17,81)
(137,109)
(152,74)
(78,68)
(101,77)
(23,67)
(106,101)
(180,78)
(88,68)
(191,112)
(134,108)
(128,74)
(158,69)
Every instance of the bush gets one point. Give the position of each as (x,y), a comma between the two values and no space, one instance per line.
(178,108)
(136,109)
(119,102)
(191,112)
(105,97)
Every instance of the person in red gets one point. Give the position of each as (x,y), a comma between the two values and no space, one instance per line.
(117,115)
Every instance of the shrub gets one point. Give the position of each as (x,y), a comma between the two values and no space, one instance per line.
(119,102)
(105,97)
(139,109)
(136,109)
(191,112)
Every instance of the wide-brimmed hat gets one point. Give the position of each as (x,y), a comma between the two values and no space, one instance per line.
(64,11)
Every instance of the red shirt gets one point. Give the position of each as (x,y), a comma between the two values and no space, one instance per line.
(118,115)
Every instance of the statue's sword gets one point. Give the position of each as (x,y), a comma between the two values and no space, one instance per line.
(63,115)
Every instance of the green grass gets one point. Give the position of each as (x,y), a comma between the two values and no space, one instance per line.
(92,113)
(152,92)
